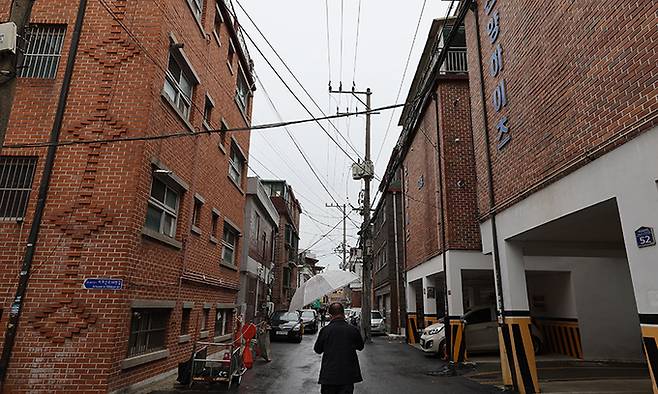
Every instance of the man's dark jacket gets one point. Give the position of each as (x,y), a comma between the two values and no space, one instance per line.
(339,342)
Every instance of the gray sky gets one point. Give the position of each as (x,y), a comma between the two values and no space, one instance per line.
(298,31)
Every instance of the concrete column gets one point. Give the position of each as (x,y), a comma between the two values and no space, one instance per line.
(638,207)
(455,291)
(516,348)
(429,303)
(512,275)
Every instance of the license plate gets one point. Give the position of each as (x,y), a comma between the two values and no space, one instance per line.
(282,332)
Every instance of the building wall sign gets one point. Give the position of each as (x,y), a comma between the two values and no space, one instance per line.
(644,237)
(103,284)
(499,96)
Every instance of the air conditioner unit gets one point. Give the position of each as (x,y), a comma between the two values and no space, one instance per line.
(8,37)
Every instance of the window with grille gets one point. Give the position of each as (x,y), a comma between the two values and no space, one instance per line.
(43,51)
(16,176)
(148,329)
(162,211)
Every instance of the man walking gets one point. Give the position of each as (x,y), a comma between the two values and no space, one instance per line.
(338,343)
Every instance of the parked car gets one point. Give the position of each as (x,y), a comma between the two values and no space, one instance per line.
(310,320)
(377,323)
(480,333)
(287,325)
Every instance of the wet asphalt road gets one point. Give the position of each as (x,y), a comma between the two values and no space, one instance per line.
(388,366)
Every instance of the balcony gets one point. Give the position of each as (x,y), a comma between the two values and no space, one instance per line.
(455,61)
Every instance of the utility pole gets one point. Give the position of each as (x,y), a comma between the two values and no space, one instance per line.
(20,16)
(366,172)
(343,209)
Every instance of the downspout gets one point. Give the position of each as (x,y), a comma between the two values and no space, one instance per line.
(490,180)
(447,329)
(397,259)
(492,202)
(49,164)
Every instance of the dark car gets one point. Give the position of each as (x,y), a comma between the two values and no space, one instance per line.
(310,320)
(286,325)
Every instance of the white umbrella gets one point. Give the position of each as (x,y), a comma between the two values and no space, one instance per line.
(319,286)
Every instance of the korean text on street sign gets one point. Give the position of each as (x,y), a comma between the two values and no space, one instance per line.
(103,284)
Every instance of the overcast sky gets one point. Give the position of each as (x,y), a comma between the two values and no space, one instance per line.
(298,31)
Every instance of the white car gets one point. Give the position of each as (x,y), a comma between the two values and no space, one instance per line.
(377,323)
(433,339)
(480,333)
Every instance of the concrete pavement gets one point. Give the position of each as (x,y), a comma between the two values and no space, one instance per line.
(387,365)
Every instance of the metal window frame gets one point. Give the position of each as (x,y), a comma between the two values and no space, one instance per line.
(148,332)
(163,206)
(37,62)
(227,245)
(18,198)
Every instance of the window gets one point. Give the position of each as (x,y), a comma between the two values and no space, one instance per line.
(162,210)
(222,322)
(16,176)
(230,56)
(205,314)
(236,165)
(196,213)
(147,331)
(242,92)
(214,220)
(44,49)
(185,321)
(217,26)
(197,8)
(230,241)
(179,86)
(223,128)
(207,112)
(255,228)
(286,277)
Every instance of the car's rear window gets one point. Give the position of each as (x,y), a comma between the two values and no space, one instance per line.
(288,316)
(308,314)
(376,315)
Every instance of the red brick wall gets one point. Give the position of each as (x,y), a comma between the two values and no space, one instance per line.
(72,339)
(578,74)
(421,203)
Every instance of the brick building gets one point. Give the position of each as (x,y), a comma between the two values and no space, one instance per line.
(286,259)
(434,156)
(564,106)
(261,220)
(388,256)
(164,216)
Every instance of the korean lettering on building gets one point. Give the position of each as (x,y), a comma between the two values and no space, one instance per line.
(499,95)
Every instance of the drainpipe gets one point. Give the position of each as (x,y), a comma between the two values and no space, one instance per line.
(397,259)
(446,318)
(490,180)
(49,164)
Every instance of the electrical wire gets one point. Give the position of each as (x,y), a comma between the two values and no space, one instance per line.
(296,79)
(404,74)
(295,143)
(187,133)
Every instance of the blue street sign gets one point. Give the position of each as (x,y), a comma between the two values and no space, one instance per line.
(644,237)
(103,284)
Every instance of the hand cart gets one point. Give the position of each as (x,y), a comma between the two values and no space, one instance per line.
(215,362)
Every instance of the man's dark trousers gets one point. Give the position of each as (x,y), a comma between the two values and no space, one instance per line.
(337,389)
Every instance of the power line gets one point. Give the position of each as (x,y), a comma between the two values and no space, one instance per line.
(404,74)
(297,146)
(276,53)
(326,5)
(187,133)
